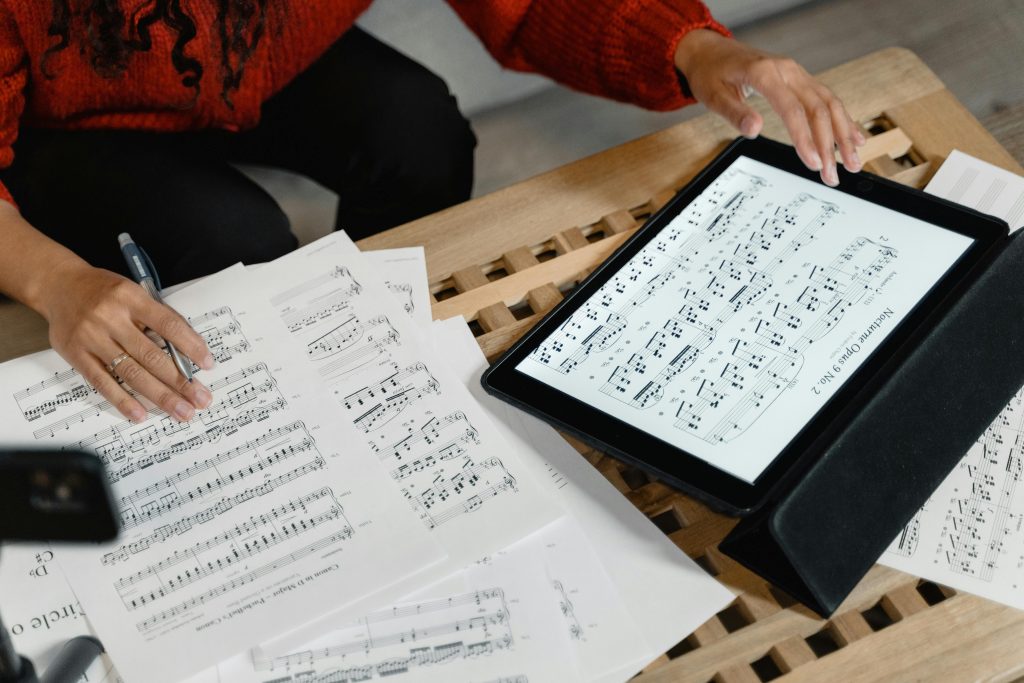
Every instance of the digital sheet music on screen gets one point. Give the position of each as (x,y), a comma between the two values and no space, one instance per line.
(736,324)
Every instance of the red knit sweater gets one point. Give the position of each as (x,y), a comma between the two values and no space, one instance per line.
(621,49)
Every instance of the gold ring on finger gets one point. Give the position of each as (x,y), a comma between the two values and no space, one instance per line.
(112,365)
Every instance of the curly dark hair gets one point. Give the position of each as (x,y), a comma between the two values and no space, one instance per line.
(109,37)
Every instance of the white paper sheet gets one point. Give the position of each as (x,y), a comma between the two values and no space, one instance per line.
(969,534)
(664,592)
(728,331)
(236,524)
(980,185)
(436,445)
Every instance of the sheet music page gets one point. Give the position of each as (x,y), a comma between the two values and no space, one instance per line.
(237,524)
(665,594)
(495,621)
(969,534)
(589,619)
(728,331)
(575,609)
(439,450)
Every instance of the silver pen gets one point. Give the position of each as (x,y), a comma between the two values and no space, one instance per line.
(143,272)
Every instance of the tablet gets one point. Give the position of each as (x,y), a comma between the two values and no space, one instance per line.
(722,343)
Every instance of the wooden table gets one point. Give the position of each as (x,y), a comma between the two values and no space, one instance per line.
(502,260)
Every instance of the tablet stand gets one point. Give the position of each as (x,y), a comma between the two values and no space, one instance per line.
(818,538)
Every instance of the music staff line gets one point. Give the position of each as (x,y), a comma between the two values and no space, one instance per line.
(201,569)
(246,578)
(432,619)
(185,524)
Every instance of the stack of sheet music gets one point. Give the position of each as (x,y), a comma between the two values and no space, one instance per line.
(349,508)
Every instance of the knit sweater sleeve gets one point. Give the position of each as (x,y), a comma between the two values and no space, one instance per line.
(622,49)
(13,79)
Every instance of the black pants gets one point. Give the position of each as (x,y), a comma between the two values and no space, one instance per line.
(364,121)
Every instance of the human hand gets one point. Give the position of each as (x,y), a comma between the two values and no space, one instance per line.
(96,316)
(720,69)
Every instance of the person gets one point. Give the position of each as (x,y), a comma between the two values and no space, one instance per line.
(123,115)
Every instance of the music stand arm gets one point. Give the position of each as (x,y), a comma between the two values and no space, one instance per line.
(13,667)
(73,660)
(69,666)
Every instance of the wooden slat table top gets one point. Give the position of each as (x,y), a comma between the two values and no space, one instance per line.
(502,260)
(893,627)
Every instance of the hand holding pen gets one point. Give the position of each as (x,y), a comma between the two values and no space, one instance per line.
(98,324)
(144,272)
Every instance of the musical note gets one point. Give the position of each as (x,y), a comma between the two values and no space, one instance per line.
(67,389)
(676,349)
(241,580)
(335,340)
(568,611)
(420,426)
(207,437)
(248,539)
(450,496)
(185,524)
(338,279)
(984,517)
(237,522)
(134,513)
(410,637)
(222,333)
(906,542)
(404,289)
(437,434)
(377,337)
(57,379)
(383,401)
(970,533)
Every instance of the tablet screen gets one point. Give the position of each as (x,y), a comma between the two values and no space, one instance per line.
(733,327)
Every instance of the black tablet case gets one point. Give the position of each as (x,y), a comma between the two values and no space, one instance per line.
(821,536)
